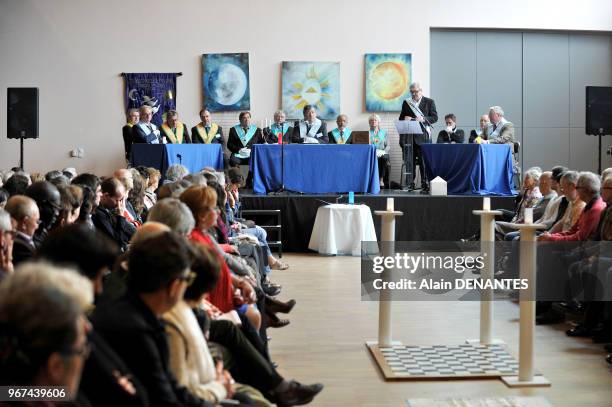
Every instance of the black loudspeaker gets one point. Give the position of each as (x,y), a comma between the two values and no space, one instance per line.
(22,113)
(599,110)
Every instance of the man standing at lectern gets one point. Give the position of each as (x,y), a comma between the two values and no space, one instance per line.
(423,110)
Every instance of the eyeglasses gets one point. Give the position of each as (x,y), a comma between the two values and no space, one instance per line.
(189,278)
(83,350)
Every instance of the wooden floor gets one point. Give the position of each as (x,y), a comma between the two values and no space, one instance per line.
(330,324)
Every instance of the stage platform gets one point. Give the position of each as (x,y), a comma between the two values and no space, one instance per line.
(426,218)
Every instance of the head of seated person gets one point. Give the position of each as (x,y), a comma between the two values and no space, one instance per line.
(531,178)
(310,113)
(159,270)
(173,213)
(113,193)
(133,116)
(202,201)
(25,214)
(588,186)
(245,119)
(43,335)
(176,172)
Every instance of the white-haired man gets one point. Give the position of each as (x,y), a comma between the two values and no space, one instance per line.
(144,130)
(423,110)
(280,126)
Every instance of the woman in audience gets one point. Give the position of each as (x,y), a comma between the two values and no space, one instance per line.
(378,137)
(153,184)
(71,200)
(92,192)
(190,359)
(43,335)
(231,291)
(531,197)
(175,173)
(136,195)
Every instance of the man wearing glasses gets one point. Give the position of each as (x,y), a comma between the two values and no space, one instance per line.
(423,110)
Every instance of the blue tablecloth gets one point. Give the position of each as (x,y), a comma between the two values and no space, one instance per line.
(478,169)
(193,156)
(316,169)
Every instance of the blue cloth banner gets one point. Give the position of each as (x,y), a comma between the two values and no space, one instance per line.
(193,156)
(157,90)
(315,169)
(471,169)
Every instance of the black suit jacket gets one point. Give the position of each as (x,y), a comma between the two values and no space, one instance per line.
(273,138)
(234,144)
(23,249)
(458,136)
(138,136)
(101,373)
(332,139)
(196,139)
(321,133)
(139,338)
(428,107)
(128,133)
(474,135)
(113,226)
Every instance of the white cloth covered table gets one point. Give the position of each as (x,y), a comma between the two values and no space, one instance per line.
(340,229)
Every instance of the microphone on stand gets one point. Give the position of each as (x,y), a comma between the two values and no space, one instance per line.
(180,157)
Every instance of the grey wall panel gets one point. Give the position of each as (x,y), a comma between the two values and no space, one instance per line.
(499,73)
(590,58)
(545,147)
(453,75)
(545,80)
(583,150)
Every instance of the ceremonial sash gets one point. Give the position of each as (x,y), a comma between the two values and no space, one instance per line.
(245,138)
(417,112)
(345,136)
(275,128)
(494,134)
(378,139)
(313,129)
(146,129)
(175,139)
(129,124)
(207,138)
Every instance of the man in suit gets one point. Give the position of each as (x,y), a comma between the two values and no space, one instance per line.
(175,131)
(341,134)
(145,131)
(278,127)
(501,131)
(107,219)
(133,117)
(241,138)
(25,213)
(423,110)
(159,274)
(206,132)
(451,134)
(47,199)
(311,130)
(477,136)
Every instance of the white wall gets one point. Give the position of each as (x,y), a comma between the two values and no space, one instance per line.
(74,51)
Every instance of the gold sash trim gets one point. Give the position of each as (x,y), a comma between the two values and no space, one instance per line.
(208,138)
(180,131)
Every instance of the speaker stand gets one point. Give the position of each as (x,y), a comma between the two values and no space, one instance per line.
(21,152)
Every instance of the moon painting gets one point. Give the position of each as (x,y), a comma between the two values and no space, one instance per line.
(225,82)
(311,83)
(387,81)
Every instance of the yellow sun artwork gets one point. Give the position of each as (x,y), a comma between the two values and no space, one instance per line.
(311,83)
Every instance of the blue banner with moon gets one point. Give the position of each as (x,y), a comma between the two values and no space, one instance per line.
(387,81)
(225,82)
(157,90)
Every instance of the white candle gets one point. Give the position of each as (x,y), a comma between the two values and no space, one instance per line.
(390,204)
(528,215)
(486,203)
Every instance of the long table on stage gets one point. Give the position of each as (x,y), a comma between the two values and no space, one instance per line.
(471,169)
(193,156)
(426,218)
(315,168)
